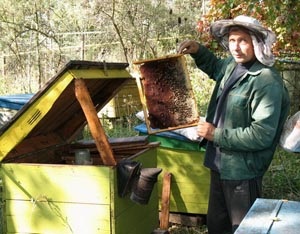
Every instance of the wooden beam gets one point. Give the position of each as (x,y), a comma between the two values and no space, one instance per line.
(165,202)
(97,131)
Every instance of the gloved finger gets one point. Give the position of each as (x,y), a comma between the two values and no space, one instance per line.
(184,47)
(188,47)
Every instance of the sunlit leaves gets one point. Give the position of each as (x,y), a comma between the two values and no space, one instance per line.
(282,16)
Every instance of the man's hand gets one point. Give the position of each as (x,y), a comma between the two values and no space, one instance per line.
(206,130)
(188,47)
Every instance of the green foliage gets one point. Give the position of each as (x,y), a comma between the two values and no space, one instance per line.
(41,36)
(121,127)
(282,16)
(202,87)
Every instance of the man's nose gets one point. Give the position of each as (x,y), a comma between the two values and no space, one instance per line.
(235,46)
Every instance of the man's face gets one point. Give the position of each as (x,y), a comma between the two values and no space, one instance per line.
(240,46)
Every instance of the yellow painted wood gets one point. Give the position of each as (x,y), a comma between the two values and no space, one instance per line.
(184,206)
(132,218)
(43,198)
(148,159)
(57,218)
(192,192)
(190,179)
(188,197)
(100,73)
(62,199)
(139,218)
(61,183)
(22,126)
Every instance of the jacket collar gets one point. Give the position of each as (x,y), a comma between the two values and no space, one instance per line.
(254,70)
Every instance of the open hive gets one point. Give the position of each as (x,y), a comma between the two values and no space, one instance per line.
(43,190)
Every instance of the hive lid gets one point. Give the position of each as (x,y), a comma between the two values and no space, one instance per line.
(53,116)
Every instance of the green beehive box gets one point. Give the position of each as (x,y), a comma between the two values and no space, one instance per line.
(183,158)
(43,190)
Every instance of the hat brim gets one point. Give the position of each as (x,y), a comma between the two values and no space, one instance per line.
(220,29)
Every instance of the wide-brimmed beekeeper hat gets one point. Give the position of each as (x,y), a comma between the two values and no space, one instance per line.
(262,37)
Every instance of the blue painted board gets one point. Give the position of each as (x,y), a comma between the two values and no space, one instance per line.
(271,216)
(15,101)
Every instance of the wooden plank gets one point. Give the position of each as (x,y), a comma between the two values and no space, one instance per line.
(43,156)
(148,159)
(271,216)
(104,73)
(190,183)
(120,153)
(115,143)
(56,218)
(32,116)
(165,201)
(184,206)
(132,218)
(141,219)
(34,145)
(94,123)
(61,183)
(286,222)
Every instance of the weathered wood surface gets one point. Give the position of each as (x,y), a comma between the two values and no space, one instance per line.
(271,216)
(55,112)
(60,183)
(97,131)
(165,201)
(56,199)
(190,179)
(43,194)
(46,216)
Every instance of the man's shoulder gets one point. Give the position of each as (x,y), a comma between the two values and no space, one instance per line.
(263,71)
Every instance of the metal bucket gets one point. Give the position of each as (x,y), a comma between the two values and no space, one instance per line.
(83,157)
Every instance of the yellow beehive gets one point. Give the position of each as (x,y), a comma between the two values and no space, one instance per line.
(43,190)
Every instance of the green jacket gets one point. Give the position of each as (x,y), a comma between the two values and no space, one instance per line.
(257,107)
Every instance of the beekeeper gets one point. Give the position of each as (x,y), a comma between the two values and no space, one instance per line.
(246,113)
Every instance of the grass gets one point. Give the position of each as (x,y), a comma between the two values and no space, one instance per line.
(176,229)
(282,180)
